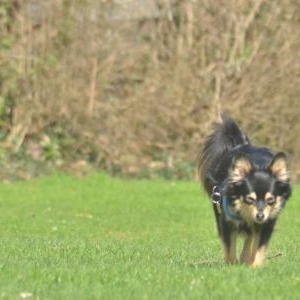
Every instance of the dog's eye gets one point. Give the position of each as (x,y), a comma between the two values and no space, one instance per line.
(249,199)
(271,200)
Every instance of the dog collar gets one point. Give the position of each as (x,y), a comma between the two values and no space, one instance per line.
(220,201)
(228,211)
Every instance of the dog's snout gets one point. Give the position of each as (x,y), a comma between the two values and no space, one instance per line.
(260,205)
(260,216)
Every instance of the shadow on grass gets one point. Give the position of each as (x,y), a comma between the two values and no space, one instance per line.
(206,263)
(219,263)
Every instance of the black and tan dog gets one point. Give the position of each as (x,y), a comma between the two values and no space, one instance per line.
(249,187)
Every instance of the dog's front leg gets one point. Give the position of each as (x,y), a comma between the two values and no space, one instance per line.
(229,239)
(260,244)
(258,251)
(246,255)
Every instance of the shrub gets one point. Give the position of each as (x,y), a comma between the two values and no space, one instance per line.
(136,93)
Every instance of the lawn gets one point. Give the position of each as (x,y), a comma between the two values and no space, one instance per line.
(102,238)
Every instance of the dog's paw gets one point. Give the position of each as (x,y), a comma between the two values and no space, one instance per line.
(255,265)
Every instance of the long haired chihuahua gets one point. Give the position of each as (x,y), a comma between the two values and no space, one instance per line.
(249,186)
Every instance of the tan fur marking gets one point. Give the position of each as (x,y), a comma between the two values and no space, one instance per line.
(241,168)
(267,210)
(246,252)
(253,195)
(279,169)
(259,257)
(247,212)
(268,195)
(276,208)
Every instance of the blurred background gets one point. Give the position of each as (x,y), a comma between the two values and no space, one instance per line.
(132,87)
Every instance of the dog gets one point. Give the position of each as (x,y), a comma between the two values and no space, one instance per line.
(249,187)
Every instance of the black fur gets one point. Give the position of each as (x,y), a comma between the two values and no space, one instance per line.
(255,183)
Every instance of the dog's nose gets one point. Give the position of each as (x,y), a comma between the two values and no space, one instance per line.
(260,216)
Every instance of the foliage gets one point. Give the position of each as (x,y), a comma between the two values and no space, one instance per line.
(136,94)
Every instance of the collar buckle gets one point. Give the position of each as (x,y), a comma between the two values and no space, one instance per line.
(217,198)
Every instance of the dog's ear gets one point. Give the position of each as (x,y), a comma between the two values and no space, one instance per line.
(278,167)
(241,166)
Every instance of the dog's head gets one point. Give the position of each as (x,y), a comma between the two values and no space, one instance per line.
(257,193)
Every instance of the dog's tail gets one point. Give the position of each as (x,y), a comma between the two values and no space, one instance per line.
(225,136)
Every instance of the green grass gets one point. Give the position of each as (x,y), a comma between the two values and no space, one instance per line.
(102,238)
